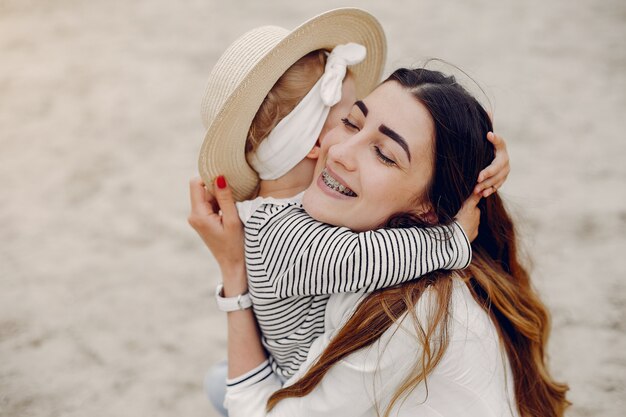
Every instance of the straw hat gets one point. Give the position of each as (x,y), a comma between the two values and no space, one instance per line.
(250,67)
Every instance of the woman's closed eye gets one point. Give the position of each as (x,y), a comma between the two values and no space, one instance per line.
(383,158)
(379,154)
(349,124)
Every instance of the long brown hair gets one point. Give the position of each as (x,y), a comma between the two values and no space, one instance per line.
(496,278)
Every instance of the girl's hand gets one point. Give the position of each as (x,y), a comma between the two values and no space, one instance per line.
(491,178)
(214,217)
(469,216)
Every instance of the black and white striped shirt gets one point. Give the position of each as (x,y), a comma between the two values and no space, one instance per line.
(294,263)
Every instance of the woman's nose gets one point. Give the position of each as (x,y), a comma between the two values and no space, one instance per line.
(344,154)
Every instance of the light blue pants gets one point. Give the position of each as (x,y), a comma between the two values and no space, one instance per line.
(215,386)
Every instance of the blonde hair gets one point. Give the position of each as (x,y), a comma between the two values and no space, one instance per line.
(285,95)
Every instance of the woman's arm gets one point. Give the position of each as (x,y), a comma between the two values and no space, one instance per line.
(245,351)
(223,235)
(351,387)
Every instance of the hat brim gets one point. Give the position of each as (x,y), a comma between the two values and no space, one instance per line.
(223,149)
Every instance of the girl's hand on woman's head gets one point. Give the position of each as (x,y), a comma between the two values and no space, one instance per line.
(491,178)
(214,217)
(469,216)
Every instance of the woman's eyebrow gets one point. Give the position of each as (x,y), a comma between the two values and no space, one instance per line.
(362,106)
(396,138)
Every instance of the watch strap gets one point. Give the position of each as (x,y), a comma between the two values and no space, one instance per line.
(227,304)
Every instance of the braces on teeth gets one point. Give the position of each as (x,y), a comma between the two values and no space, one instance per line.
(335,185)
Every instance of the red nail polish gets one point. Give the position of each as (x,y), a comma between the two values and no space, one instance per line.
(221,182)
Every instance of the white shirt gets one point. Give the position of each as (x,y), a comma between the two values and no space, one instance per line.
(473,378)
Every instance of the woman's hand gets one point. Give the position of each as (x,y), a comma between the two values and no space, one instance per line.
(214,217)
(491,178)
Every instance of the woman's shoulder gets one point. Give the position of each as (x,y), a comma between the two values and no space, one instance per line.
(473,368)
(465,313)
(474,365)
(468,320)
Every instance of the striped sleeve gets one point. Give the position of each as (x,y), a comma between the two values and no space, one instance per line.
(301,256)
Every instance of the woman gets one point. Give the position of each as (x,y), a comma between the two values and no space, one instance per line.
(469,343)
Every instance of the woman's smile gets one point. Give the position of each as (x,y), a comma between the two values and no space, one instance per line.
(333,185)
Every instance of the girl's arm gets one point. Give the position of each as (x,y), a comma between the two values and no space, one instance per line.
(223,235)
(301,256)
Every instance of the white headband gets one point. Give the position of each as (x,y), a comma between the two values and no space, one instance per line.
(292,139)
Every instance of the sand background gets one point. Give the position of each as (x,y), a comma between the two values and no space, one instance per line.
(106,302)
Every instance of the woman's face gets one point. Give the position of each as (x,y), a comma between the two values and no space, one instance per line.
(377,163)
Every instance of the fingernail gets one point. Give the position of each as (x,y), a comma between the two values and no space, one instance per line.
(221,182)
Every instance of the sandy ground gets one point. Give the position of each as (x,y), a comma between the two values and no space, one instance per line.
(106,302)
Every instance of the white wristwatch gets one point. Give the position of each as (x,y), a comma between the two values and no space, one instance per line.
(240,302)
